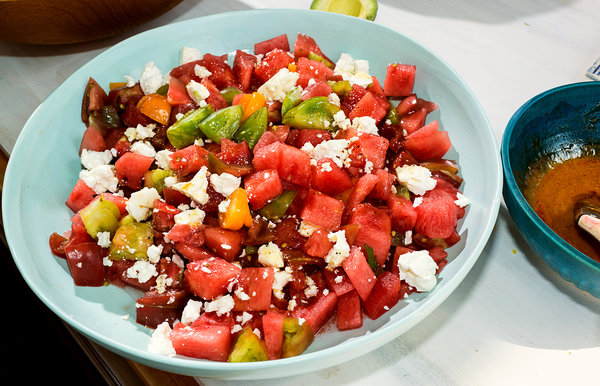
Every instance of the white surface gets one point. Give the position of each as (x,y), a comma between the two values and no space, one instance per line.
(512,321)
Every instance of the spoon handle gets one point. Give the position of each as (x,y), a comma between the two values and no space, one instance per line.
(590,224)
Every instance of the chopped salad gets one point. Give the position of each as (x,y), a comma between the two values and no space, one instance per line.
(257,200)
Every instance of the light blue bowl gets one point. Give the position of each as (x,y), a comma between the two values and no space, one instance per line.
(44,166)
(549,122)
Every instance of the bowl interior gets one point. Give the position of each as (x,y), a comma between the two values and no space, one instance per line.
(556,125)
(44,166)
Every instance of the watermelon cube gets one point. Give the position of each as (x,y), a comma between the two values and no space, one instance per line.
(262,186)
(281,42)
(272,323)
(80,196)
(319,312)
(428,143)
(210,278)
(375,229)
(243,68)
(329,178)
(369,106)
(349,311)
(386,292)
(338,281)
(322,210)
(253,289)
(130,169)
(212,342)
(359,272)
(404,214)
(399,80)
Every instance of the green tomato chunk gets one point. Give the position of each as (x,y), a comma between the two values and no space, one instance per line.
(253,127)
(296,337)
(185,131)
(313,113)
(222,123)
(131,241)
(292,99)
(248,347)
(277,207)
(100,215)
(155,178)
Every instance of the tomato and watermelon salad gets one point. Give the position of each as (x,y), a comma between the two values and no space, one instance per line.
(260,202)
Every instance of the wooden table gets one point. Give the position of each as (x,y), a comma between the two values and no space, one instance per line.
(512,320)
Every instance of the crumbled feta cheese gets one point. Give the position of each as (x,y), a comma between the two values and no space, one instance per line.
(198,92)
(256,332)
(140,132)
(144,148)
(151,78)
(292,304)
(221,305)
(141,203)
(340,120)
(418,201)
(280,280)
(408,237)
(191,217)
(340,250)
(201,71)
(270,255)
(225,183)
(461,200)
(368,167)
(223,205)
(333,98)
(191,311)
(326,167)
(311,289)
(103,239)
(354,71)
(335,149)
(196,187)
(245,317)
(189,54)
(366,125)
(160,341)
(101,178)
(240,294)
(142,271)
(338,279)
(130,80)
(107,262)
(170,181)
(162,158)
(162,281)
(236,328)
(416,178)
(306,229)
(90,158)
(418,270)
(277,87)
(154,252)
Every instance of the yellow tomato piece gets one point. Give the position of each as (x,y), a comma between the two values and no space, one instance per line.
(155,107)
(292,67)
(115,85)
(238,211)
(251,103)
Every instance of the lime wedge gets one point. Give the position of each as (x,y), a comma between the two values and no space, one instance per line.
(364,9)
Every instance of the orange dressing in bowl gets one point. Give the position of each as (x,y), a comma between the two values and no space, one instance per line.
(554,187)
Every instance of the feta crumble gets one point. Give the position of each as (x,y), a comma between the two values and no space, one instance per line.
(103,239)
(225,183)
(151,78)
(101,178)
(416,178)
(201,71)
(141,203)
(191,311)
(190,217)
(340,250)
(335,149)
(279,85)
(144,148)
(91,159)
(160,341)
(189,54)
(196,187)
(280,279)
(418,270)
(198,92)
(142,271)
(354,71)
(461,201)
(270,255)
(221,305)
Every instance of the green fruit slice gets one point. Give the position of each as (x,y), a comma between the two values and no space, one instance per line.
(364,9)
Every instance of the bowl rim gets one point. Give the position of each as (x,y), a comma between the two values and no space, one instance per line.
(359,346)
(511,184)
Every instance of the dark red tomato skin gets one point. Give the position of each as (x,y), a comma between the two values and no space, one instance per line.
(57,244)
(85,264)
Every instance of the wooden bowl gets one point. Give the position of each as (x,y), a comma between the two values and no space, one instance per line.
(52,22)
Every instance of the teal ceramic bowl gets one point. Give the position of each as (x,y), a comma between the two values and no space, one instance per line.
(553,122)
(44,166)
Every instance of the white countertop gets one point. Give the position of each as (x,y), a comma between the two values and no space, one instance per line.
(512,320)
